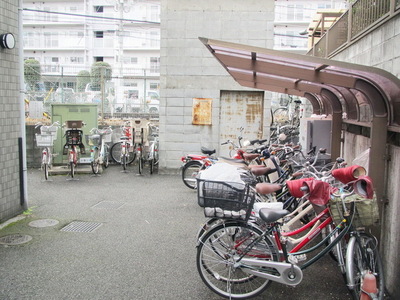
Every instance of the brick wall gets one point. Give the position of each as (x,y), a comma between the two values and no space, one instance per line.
(10,118)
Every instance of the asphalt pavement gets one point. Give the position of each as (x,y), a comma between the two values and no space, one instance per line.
(120,236)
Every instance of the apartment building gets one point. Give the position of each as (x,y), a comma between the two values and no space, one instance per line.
(292,19)
(67,37)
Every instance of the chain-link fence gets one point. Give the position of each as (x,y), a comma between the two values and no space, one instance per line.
(133,94)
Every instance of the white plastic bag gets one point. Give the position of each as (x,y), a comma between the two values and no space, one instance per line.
(362,159)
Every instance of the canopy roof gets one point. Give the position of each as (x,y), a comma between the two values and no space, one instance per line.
(331,86)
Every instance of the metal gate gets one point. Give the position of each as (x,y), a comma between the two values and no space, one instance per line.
(240,109)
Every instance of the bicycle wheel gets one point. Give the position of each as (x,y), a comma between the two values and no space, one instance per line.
(72,168)
(116,154)
(140,163)
(46,171)
(280,116)
(45,164)
(95,162)
(217,264)
(124,161)
(362,256)
(151,165)
(106,159)
(189,173)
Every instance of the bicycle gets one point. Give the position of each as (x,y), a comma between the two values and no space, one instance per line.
(153,155)
(99,152)
(73,140)
(46,138)
(123,151)
(239,258)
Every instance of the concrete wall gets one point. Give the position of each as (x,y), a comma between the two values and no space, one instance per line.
(10,118)
(188,70)
(379,49)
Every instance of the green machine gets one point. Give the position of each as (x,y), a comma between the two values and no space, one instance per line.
(62,113)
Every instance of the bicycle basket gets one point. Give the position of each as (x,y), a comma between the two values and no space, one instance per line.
(49,130)
(366,213)
(93,139)
(225,200)
(44,140)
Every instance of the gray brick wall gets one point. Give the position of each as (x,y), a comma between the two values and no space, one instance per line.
(10,119)
(189,71)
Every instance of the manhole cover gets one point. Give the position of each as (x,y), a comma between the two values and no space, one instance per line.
(78,226)
(15,239)
(43,223)
(108,205)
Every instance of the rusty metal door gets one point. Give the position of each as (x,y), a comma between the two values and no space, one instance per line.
(240,109)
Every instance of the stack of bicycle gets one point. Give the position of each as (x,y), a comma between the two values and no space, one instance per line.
(259,232)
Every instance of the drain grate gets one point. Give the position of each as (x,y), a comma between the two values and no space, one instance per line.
(15,239)
(78,226)
(43,223)
(108,205)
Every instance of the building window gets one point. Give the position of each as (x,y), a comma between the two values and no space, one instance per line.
(98,58)
(154,86)
(76,60)
(154,64)
(99,34)
(98,9)
(295,12)
(54,59)
(51,39)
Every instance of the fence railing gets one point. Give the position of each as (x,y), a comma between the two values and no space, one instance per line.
(361,16)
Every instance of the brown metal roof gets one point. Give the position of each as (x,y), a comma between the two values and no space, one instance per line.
(329,85)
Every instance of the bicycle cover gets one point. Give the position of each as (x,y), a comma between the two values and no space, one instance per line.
(348,174)
(319,192)
(363,187)
(295,185)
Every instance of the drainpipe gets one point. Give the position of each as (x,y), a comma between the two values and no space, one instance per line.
(22,140)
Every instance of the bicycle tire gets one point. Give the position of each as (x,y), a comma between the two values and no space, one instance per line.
(215,260)
(362,255)
(106,158)
(189,173)
(151,166)
(46,171)
(116,154)
(124,162)
(140,163)
(72,169)
(280,116)
(95,162)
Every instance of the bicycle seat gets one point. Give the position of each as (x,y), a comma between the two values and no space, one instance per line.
(207,151)
(260,170)
(250,156)
(265,188)
(270,215)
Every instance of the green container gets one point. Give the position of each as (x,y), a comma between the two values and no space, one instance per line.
(87,113)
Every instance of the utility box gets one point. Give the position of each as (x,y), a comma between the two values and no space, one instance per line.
(87,113)
(315,133)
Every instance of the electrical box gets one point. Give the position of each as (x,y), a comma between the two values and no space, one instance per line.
(315,133)
(64,112)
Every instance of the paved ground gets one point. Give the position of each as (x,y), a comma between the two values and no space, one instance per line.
(144,247)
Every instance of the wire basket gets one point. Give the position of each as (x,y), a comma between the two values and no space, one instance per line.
(44,140)
(49,130)
(93,139)
(366,211)
(225,200)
